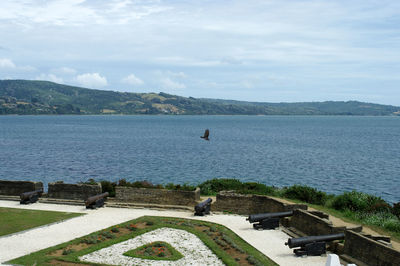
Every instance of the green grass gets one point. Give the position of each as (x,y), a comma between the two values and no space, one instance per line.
(175,255)
(16,220)
(42,257)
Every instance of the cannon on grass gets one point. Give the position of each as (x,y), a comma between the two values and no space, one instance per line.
(312,245)
(30,196)
(96,201)
(268,220)
(203,207)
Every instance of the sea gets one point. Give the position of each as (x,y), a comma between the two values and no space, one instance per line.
(330,153)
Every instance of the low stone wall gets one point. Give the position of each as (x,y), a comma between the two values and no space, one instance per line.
(310,224)
(250,204)
(157,196)
(369,251)
(72,191)
(15,188)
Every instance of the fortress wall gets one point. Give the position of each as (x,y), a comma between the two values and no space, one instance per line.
(157,196)
(72,191)
(249,204)
(15,188)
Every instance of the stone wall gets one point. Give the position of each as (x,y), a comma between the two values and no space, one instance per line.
(72,191)
(310,224)
(369,251)
(250,204)
(15,188)
(157,196)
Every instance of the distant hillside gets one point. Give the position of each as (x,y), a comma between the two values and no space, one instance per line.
(42,97)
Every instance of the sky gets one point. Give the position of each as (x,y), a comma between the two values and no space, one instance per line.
(265,51)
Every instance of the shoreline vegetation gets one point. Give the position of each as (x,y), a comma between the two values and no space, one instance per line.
(32,97)
(353,206)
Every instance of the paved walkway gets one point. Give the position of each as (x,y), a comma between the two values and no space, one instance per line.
(269,242)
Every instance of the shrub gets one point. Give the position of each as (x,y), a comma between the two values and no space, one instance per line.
(185,187)
(396,209)
(306,194)
(359,201)
(107,186)
(68,251)
(213,186)
(257,188)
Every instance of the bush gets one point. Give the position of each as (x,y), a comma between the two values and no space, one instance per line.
(68,251)
(107,186)
(359,201)
(257,188)
(185,187)
(306,194)
(213,186)
(396,209)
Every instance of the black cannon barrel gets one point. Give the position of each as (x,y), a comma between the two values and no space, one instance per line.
(262,216)
(26,195)
(301,241)
(203,204)
(93,199)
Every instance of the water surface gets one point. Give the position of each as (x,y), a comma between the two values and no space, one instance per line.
(331,153)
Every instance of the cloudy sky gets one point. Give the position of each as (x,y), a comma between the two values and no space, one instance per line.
(267,50)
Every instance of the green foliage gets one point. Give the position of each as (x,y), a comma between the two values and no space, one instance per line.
(213,186)
(68,251)
(396,209)
(107,186)
(43,97)
(359,201)
(155,251)
(306,194)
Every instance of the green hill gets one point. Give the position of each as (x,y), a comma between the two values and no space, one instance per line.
(42,97)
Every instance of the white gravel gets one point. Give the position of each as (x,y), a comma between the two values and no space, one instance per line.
(188,244)
(269,242)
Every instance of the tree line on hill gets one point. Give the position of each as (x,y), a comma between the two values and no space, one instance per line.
(26,97)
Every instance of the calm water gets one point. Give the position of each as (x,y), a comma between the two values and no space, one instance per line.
(331,153)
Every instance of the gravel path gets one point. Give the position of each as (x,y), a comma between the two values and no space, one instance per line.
(269,242)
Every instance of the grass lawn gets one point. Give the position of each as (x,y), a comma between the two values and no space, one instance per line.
(224,243)
(15,220)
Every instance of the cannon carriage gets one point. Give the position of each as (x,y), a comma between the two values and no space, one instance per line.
(268,220)
(30,196)
(312,245)
(203,207)
(96,201)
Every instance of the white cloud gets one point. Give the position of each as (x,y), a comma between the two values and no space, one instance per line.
(6,63)
(64,70)
(168,83)
(92,80)
(132,80)
(177,74)
(50,77)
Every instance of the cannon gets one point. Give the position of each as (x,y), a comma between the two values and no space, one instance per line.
(312,245)
(96,201)
(203,207)
(268,220)
(30,197)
